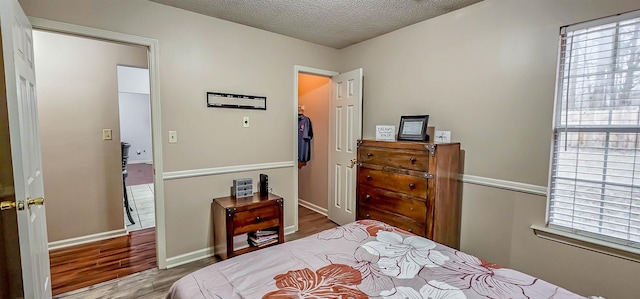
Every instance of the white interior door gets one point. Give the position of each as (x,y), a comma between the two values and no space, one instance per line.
(345,117)
(17,48)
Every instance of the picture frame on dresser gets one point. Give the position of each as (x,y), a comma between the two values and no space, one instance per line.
(413,128)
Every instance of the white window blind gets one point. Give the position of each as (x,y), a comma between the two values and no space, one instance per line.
(595,166)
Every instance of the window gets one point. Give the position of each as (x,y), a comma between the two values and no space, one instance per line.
(595,167)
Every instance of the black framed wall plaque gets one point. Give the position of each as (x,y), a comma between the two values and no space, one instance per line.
(239,101)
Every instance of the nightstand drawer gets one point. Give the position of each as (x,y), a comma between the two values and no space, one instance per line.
(256,219)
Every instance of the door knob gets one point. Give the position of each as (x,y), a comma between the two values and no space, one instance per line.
(36,201)
(353,162)
(6,205)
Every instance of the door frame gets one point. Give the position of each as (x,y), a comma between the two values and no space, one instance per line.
(156,125)
(299,69)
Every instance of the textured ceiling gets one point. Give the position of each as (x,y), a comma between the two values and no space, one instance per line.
(333,23)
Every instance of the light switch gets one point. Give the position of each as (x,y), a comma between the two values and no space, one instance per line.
(245,122)
(106,134)
(173,137)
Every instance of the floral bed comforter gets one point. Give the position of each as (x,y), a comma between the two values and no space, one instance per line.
(364,259)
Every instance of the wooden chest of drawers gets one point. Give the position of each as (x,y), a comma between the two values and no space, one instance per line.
(411,185)
(237,216)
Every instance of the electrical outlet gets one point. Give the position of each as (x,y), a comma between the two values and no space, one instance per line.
(107,134)
(173,137)
(245,122)
(443,137)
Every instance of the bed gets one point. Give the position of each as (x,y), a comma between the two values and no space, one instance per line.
(363,259)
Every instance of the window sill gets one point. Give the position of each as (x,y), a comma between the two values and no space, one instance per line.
(608,248)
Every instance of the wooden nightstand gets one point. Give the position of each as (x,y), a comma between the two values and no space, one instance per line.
(238,216)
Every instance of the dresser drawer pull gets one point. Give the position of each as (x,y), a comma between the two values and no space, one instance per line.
(410,230)
(369,177)
(367,197)
(412,185)
(368,216)
(369,154)
(258,219)
(413,160)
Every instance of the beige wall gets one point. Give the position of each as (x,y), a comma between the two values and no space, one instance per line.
(487,73)
(200,54)
(77,98)
(202,190)
(314,92)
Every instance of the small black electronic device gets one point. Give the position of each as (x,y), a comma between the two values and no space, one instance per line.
(264,184)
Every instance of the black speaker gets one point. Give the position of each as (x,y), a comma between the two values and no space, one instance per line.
(264,184)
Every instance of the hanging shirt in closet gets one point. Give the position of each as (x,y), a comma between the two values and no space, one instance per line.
(305,134)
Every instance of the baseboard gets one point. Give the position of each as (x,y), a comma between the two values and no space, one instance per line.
(313,207)
(205,253)
(139,162)
(189,257)
(87,239)
(289,230)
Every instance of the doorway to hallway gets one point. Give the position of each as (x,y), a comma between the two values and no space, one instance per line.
(82,158)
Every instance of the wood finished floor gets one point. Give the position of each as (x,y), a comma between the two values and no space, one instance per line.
(155,283)
(83,265)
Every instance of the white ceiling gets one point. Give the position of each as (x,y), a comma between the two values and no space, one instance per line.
(333,23)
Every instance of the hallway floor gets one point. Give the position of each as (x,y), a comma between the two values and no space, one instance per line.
(143,205)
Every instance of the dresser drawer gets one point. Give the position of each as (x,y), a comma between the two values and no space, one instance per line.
(398,203)
(255,219)
(398,221)
(407,184)
(414,160)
